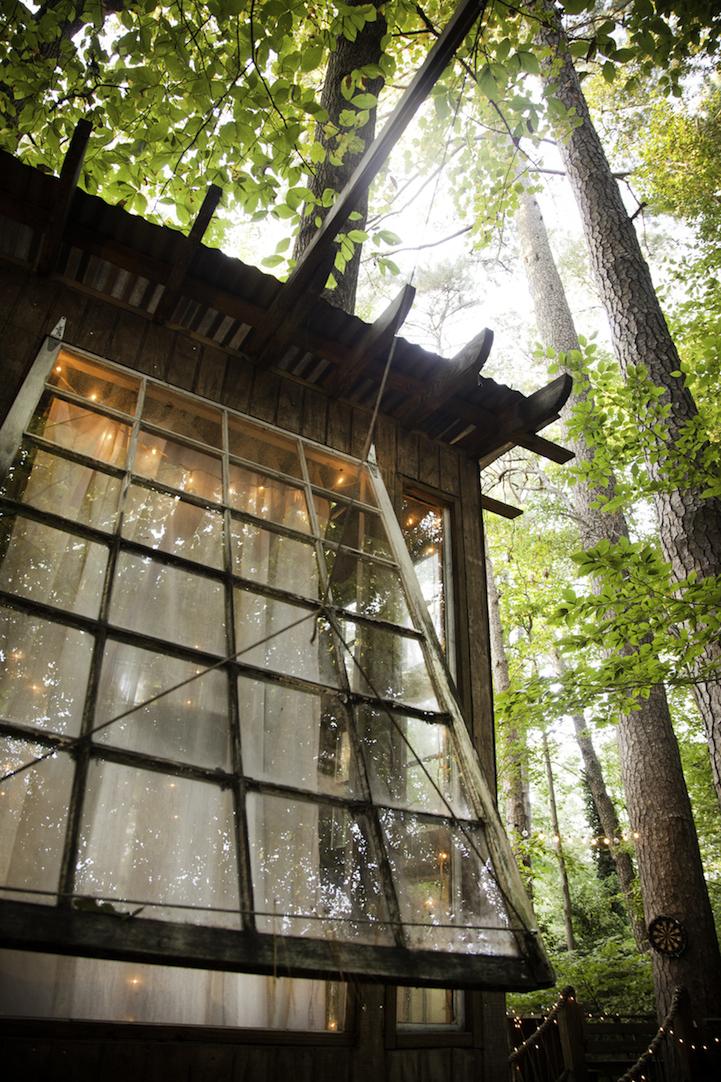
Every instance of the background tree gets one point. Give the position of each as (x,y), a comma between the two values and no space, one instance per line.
(689,520)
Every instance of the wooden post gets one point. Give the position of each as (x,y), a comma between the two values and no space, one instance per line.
(573,1039)
(686,1036)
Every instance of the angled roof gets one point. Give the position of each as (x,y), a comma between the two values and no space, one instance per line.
(56,227)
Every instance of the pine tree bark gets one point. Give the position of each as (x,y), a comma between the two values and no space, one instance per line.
(514,751)
(347,57)
(658,804)
(689,525)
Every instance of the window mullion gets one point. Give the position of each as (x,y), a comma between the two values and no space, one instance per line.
(245,880)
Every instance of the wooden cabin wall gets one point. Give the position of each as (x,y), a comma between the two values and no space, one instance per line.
(30,307)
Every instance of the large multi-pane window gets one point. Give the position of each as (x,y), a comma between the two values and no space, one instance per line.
(219,703)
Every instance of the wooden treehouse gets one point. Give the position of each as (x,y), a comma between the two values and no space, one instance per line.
(247,808)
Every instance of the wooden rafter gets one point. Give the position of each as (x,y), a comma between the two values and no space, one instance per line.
(497,507)
(190,246)
(551,451)
(305,275)
(287,312)
(532,442)
(523,418)
(373,343)
(69,176)
(457,377)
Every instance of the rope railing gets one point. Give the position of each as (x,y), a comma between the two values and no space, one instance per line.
(542,1052)
(557,1050)
(655,1052)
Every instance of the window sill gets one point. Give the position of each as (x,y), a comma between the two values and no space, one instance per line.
(72,1029)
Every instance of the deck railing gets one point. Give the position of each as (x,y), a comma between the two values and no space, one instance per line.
(555,1052)
(565,1049)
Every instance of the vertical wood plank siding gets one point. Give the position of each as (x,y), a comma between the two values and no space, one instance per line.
(29,310)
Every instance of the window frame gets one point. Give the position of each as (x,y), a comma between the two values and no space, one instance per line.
(62,929)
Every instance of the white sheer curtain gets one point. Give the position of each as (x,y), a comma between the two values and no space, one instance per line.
(53,986)
(146,836)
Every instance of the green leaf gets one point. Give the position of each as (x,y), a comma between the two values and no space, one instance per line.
(311,57)
(529,63)
(317,153)
(364,101)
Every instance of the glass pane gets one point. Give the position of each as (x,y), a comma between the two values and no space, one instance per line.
(34,985)
(338,475)
(190,724)
(266,497)
(184,416)
(447,892)
(81,430)
(367,588)
(44,672)
(412,763)
(152,840)
(268,449)
(429,1007)
(351,526)
(62,487)
(386,666)
(274,560)
(46,564)
(33,811)
(422,526)
(294,640)
(93,381)
(166,602)
(314,872)
(173,525)
(179,466)
(274,719)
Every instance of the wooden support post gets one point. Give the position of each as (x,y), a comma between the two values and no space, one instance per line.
(685,1037)
(68,182)
(373,344)
(458,376)
(573,1040)
(190,247)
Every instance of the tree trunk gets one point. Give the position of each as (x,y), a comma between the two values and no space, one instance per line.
(689,525)
(514,752)
(570,938)
(71,20)
(660,814)
(347,57)
(609,820)
(669,861)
